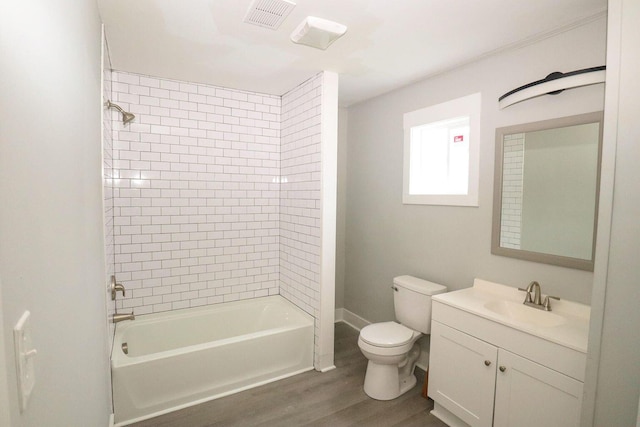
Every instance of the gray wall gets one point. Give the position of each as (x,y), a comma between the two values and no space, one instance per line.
(451,245)
(51,228)
(341,211)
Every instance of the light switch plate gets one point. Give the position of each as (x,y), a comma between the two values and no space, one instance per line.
(25,354)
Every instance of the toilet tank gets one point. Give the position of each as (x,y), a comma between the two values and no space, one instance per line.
(412,301)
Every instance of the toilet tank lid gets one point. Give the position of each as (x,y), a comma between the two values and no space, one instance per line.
(419,285)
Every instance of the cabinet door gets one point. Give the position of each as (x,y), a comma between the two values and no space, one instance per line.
(529,394)
(462,374)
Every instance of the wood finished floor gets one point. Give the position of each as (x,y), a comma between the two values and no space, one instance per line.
(334,398)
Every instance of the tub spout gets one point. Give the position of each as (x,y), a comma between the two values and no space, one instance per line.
(119,317)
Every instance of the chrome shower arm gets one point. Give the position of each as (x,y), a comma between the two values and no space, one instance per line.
(126,116)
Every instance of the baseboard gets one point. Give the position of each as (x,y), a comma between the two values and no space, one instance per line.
(351,319)
(111,422)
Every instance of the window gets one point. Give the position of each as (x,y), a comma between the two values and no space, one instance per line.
(441,153)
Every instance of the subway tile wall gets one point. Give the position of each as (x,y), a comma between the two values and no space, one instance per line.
(512,181)
(196,197)
(300,207)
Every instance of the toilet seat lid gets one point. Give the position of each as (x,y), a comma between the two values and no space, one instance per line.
(386,334)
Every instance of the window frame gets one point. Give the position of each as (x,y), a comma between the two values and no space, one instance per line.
(470,106)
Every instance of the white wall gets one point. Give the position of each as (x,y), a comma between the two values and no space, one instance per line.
(51,222)
(613,372)
(196,193)
(4,387)
(300,195)
(308,205)
(451,245)
(107,200)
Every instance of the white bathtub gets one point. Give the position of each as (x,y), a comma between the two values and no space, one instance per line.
(184,357)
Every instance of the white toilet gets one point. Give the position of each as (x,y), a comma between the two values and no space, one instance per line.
(391,346)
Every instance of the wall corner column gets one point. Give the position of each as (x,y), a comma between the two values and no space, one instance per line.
(329,178)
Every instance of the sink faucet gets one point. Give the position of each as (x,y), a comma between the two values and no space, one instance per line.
(536,300)
(119,317)
(535,288)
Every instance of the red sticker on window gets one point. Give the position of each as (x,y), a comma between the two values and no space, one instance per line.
(458,138)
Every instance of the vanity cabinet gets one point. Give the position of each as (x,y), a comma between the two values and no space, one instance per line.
(462,374)
(482,373)
(529,394)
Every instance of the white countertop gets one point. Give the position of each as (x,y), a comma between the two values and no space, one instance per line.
(572,333)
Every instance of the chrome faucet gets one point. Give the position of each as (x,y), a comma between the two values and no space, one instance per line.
(536,300)
(119,317)
(535,288)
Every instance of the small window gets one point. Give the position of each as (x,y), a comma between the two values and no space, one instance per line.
(441,153)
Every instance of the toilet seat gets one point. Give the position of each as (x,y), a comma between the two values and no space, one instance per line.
(387,334)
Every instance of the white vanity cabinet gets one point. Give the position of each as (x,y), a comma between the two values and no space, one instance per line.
(462,374)
(529,394)
(484,373)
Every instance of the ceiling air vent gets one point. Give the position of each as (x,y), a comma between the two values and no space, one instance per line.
(268,13)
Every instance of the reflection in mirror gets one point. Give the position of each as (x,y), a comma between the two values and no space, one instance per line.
(546,190)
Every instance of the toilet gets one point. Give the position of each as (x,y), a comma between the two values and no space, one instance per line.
(391,346)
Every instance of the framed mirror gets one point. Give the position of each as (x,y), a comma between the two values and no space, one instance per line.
(547,176)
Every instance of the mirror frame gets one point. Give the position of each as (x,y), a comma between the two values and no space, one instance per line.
(563,261)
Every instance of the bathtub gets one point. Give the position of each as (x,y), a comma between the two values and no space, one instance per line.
(185,357)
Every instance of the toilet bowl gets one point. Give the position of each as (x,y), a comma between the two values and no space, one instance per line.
(391,347)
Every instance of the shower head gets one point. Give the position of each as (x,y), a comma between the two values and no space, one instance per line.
(126,116)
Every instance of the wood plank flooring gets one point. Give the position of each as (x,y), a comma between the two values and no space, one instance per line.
(334,398)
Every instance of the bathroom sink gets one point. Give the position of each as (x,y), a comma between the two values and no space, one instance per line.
(567,324)
(519,312)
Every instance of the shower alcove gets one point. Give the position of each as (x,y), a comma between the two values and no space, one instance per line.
(214,195)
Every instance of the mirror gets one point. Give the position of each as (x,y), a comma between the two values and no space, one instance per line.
(547,176)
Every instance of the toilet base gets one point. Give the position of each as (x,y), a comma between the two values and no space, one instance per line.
(383,382)
(388,381)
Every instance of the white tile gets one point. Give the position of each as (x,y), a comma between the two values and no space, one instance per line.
(207,165)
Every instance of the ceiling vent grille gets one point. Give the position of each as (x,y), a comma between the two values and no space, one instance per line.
(268,13)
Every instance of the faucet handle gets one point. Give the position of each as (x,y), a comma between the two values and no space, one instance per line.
(547,304)
(116,287)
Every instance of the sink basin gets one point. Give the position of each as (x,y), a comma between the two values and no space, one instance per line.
(521,313)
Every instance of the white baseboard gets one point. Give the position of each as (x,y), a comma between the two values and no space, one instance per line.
(111,422)
(357,322)
(351,319)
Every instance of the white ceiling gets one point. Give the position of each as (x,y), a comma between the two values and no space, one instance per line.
(388,44)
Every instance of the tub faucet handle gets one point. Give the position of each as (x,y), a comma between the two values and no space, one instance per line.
(116,287)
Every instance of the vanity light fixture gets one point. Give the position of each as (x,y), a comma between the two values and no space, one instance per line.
(553,84)
(317,32)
